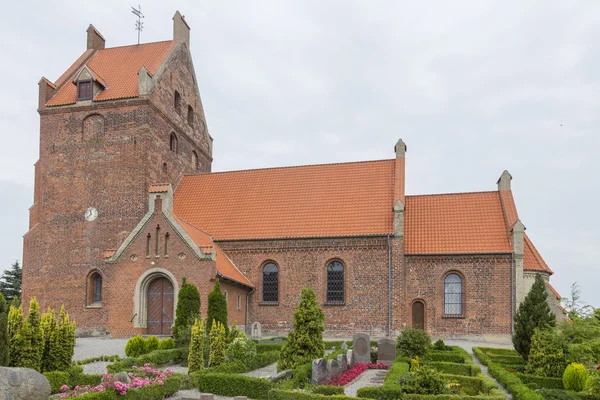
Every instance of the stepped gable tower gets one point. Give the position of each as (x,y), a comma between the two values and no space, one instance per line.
(117,120)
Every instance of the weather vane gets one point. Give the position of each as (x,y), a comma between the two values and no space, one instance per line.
(139,25)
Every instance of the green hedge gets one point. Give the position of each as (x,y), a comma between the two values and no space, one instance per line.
(264,347)
(399,368)
(541,382)
(151,392)
(395,393)
(446,356)
(301,376)
(499,352)
(234,385)
(328,390)
(480,355)
(455,369)
(330,344)
(156,358)
(96,359)
(238,367)
(453,397)
(470,385)
(512,383)
(276,394)
(506,360)
(71,377)
(388,392)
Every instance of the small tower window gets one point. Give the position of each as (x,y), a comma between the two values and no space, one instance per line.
(173,143)
(167,244)
(94,289)
(239,302)
(164,167)
(190,116)
(194,159)
(177,102)
(84,90)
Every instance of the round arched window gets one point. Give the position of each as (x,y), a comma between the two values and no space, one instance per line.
(270,283)
(453,295)
(335,282)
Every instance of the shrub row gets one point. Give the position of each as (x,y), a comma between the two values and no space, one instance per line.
(470,385)
(95,359)
(506,360)
(276,394)
(71,377)
(399,368)
(540,382)
(500,352)
(328,390)
(156,358)
(387,392)
(150,392)
(234,385)
(446,356)
(456,369)
(395,393)
(238,367)
(264,347)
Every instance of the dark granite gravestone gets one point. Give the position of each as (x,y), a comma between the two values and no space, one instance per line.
(343,362)
(320,373)
(386,351)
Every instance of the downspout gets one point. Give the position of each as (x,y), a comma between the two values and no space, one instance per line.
(389,288)
(247,303)
(512,292)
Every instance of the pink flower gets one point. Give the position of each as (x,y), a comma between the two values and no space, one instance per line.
(134,367)
(64,388)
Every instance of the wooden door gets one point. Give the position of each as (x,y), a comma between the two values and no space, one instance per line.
(161,299)
(418,315)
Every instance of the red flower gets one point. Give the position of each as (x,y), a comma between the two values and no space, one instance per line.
(353,373)
(598,367)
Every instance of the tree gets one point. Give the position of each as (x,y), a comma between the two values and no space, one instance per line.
(31,331)
(10,282)
(548,354)
(217,308)
(196,355)
(15,321)
(4,340)
(218,347)
(188,309)
(50,350)
(66,340)
(534,312)
(575,307)
(305,342)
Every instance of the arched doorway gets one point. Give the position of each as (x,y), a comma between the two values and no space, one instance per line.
(418,315)
(161,298)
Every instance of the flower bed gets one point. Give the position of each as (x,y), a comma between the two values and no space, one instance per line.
(143,376)
(353,373)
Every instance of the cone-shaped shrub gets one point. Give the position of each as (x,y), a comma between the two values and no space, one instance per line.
(16,341)
(217,308)
(66,340)
(218,347)
(4,340)
(548,354)
(31,331)
(305,342)
(135,347)
(575,377)
(234,333)
(534,312)
(196,355)
(50,350)
(188,309)
(152,343)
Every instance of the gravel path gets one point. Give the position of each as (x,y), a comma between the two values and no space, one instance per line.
(96,347)
(371,377)
(264,372)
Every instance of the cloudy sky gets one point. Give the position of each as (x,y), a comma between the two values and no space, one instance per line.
(473,87)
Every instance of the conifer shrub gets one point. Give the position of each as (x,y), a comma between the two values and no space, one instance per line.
(4,338)
(534,312)
(575,377)
(66,339)
(217,308)
(16,339)
(196,353)
(547,355)
(218,348)
(31,332)
(152,343)
(242,350)
(50,351)
(439,345)
(413,343)
(188,309)
(167,344)
(305,342)
(234,333)
(135,347)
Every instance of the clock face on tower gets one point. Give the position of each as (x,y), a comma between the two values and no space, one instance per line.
(91,214)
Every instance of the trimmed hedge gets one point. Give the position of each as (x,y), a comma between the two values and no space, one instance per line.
(506,360)
(395,393)
(388,392)
(512,383)
(150,392)
(500,352)
(301,376)
(446,356)
(541,382)
(234,385)
(238,367)
(156,358)
(72,377)
(276,394)
(455,369)
(264,347)
(399,368)
(328,390)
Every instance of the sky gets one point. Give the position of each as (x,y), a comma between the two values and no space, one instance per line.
(472,87)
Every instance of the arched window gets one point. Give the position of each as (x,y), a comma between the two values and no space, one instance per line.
(173,143)
(190,116)
(239,302)
(453,295)
(226,297)
(194,159)
(335,282)
(270,283)
(177,102)
(95,289)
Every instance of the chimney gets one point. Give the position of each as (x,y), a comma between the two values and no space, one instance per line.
(399,200)
(94,39)
(504,181)
(181,30)
(46,92)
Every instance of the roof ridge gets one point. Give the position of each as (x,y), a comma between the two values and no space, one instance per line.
(451,193)
(141,44)
(290,167)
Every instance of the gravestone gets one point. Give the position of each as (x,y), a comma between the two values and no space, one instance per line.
(386,351)
(362,347)
(343,362)
(351,359)
(344,346)
(320,374)
(333,367)
(23,384)
(255,330)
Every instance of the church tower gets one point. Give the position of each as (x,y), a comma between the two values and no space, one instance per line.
(118,120)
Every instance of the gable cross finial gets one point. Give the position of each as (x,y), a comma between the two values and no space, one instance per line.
(139,25)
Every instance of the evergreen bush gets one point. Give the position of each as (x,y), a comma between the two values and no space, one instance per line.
(534,312)
(575,377)
(328,390)
(31,332)
(422,380)
(16,340)
(547,355)
(135,347)
(167,344)
(152,344)
(218,348)
(4,339)
(196,354)
(305,342)
(243,350)
(66,340)
(51,351)
(217,308)
(441,346)
(188,309)
(234,333)
(413,343)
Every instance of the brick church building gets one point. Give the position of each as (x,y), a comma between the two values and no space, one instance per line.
(125,206)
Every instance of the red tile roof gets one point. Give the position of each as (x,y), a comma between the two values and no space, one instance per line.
(532,260)
(508,202)
(159,188)
(225,267)
(350,199)
(455,223)
(117,67)
(558,296)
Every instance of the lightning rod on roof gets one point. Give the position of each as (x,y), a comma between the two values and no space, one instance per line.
(139,25)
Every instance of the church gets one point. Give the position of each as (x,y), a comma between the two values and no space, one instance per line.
(125,206)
